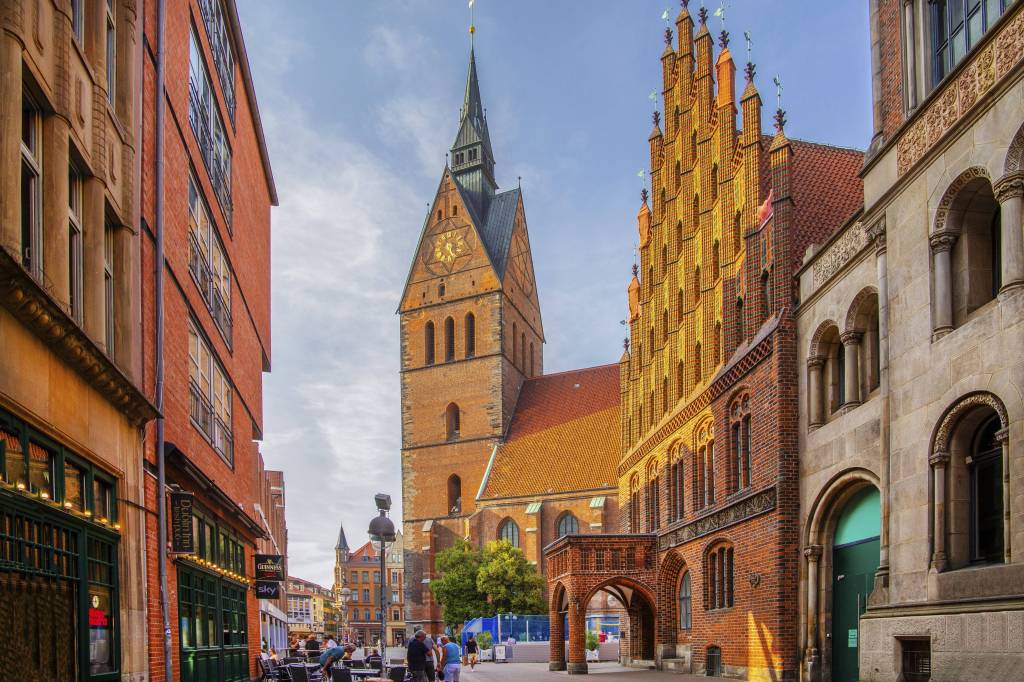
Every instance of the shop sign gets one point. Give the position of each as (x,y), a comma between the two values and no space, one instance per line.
(268,589)
(269,567)
(182,538)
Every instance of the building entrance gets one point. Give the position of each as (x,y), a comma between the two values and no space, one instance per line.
(855,559)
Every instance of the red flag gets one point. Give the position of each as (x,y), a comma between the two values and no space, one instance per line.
(766,209)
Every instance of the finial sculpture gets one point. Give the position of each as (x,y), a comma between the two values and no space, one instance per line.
(703,14)
(656,117)
(668,36)
(625,344)
(750,71)
(723,39)
(643,197)
(636,270)
(780,119)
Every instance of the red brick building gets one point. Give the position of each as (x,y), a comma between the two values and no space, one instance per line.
(216,198)
(481,424)
(706,557)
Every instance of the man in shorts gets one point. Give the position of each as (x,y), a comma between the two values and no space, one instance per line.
(471,651)
(450,664)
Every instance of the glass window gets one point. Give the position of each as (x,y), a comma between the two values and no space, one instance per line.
(102,499)
(77,21)
(211,396)
(220,46)
(75,243)
(74,486)
(509,531)
(111,34)
(685,603)
(568,525)
(957,26)
(40,470)
(14,458)
(108,286)
(102,614)
(208,128)
(31,186)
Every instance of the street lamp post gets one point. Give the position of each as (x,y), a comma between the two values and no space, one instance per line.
(344,596)
(382,529)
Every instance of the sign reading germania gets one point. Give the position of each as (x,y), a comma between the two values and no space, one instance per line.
(269,567)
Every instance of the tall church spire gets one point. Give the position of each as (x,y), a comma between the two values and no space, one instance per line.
(472,157)
(342,542)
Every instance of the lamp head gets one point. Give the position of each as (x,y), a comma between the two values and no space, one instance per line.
(383,501)
(382,529)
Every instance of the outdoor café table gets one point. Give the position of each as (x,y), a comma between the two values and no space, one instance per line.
(364,672)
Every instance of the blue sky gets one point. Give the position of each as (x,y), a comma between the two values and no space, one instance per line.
(360,102)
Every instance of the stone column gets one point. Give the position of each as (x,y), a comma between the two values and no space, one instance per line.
(851,353)
(55,209)
(812,654)
(877,234)
(815,394)
(93,225)
(939,461)
(942,272)
(557,643)
(1003,438)
(577,638)
(1009,192)
(10,144)
(910,56)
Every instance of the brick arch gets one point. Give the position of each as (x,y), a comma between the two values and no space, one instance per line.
(854,311)
(953,191)
(1015,154)
(952,415)
(831,498)
(638,587)
(814,350)
(671,571)
(559,600)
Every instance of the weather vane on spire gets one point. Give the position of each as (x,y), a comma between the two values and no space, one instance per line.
(746,37)
(778,91)
(780,113)
(472,26)
(750,69)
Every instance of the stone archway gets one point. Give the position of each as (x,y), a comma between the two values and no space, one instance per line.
(818,552)
(638,642)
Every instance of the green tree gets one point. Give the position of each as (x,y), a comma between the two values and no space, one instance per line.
(593,641)
(484,640)
(456,590)
(508,580)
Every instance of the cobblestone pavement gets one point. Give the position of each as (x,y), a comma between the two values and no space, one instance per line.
(527,672)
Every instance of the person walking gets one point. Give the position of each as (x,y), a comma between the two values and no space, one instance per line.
(328,658)
(432,649)
(451,667)
(471,651)
(416,657)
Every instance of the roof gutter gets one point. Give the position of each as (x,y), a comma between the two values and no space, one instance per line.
(487,472)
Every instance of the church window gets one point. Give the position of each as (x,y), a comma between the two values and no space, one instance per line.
(705,474)
(470,335)
(455,209)
(653,499)
(509,531)
(515,345)
(568,525)
(957,26)
(428,343)
(452,419)
(719,585)
(664,259)
(697,375)
(714,183)
(680,379)
(696,283)
(737,234)
(634,505)
(716,348)
(522,351)
(531,359)
(675,482)
(449,339)
(664,325)
(715,262)
(454,495)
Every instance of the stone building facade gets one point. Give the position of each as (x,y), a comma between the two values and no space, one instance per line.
(910,354)
(705,557)
(360,571)
(217,193)
(72,408)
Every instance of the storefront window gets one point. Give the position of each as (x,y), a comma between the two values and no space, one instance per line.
(14,458)
(102,499)
(40,470)
(101,614)
(74,486)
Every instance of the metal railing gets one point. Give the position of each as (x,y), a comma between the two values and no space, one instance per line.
(203,275)
(219,433)
(220,177)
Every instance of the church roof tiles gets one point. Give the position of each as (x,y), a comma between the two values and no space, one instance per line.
(564,436)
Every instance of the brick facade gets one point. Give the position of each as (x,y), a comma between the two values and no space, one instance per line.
(219,461)
(709,465)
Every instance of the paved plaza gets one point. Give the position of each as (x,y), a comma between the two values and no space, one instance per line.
(606,672)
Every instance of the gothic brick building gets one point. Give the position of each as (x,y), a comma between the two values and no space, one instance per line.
(706,557)
(482,427)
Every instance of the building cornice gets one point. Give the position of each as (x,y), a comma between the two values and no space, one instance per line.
(28,301)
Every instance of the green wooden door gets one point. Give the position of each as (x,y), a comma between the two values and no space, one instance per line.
(855,559)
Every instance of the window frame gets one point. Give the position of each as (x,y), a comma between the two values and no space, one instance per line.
(213,389)
(110,35)
(685,601)
(75,258)
(567,524)
(208,261)
(509,530)
(32,162)
(943,58)
(109,290)
(208,127)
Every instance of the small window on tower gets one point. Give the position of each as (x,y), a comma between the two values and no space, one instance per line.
(455,210)
(440,289)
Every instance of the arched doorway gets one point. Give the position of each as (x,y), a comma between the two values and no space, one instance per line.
(637,624)
(855,558)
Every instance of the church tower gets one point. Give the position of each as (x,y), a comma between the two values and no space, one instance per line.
(341,556)
(471,333)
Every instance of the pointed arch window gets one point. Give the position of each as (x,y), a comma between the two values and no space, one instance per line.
(428,343)
(470,332)
(704,467)
(532,356)
(664,325)
(568,525)
(766,294)
(740,328)
(634,505)
(714,183)
(675,483)
(679,237)
(680,379)
(717,347)
(696,283)
(716,262)
(680,305)
(719,583)
(653,499)
(509,531)
(685,602)
(739,416)
(449,339)
(454,495)
(515,344)
(697,374)
(452,421)
(664,260)
(737,233)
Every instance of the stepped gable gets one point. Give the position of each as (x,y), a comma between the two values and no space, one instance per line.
(564,435)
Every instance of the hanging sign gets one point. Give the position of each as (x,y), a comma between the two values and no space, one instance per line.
(268,589)
(269,567)
(182,538)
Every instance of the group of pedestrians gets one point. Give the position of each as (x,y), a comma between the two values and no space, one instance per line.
(429,661)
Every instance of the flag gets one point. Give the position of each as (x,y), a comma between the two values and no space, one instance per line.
(765,211)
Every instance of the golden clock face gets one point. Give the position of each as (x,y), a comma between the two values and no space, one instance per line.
(448,249)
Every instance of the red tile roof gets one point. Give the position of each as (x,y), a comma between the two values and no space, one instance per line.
(564,436)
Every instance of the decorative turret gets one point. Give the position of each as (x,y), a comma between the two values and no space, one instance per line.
(643,221)
(471,154)
(656,140)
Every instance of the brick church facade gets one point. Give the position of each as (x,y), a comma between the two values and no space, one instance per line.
(707,551)
(481,423)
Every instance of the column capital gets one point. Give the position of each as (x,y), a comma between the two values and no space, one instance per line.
(1009,186)
(812,552)
(938,459)
(851,337)
(876,234)
(942,241)
(816,362)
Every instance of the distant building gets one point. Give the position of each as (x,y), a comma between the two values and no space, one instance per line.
(360,572)
(271,511)
(307,605)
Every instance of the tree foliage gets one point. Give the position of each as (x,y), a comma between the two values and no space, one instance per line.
(475,583)
(456,589)
(484,640)
(511,583)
